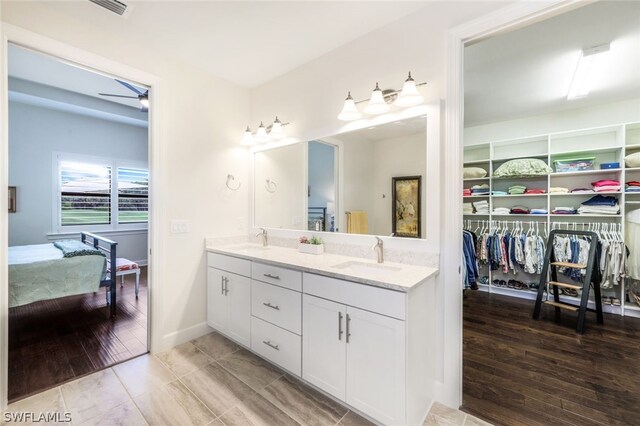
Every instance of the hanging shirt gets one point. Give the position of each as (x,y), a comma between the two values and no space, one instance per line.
(633,240)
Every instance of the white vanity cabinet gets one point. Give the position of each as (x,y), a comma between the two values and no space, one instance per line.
(366,345)
(229,297)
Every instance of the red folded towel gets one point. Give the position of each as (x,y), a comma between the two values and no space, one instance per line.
(535,191)
(605,182)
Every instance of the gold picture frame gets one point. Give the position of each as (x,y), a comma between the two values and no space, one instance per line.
(406,208)
(13,203)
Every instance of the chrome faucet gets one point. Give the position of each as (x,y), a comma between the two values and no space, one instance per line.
(378,247)
(264,236)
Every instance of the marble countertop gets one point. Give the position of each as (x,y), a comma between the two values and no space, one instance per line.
(391,275)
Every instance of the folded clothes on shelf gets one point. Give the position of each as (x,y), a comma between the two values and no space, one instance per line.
(481,207)
(582,191)
(517,189)
(499,193)
(599,209)
(480,189)
(520,210)
(606,185)
(558,190)
(535,191)
(632,186)
(564,210)
(467,208)
(466,192)
(539,211)
(501,210)
(601,200)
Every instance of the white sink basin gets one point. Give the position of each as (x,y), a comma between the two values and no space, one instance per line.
(366,268)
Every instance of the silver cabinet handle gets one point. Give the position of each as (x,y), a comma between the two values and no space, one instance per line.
(340,332)
(275,277)
(226,285)
(222,285)
(269,305)
(271,345)
(348,323)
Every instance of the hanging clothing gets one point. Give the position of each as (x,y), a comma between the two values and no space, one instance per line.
(470,260)
(633,239)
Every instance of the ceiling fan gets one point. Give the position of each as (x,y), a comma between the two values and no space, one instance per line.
(143,97)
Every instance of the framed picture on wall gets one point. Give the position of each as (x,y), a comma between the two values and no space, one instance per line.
(406,212)
(12,199)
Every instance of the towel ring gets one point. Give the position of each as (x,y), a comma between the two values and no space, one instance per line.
(271,186)
(231,178)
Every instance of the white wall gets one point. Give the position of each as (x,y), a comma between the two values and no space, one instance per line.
(201,121)
(416,43)
(285,207)
(358,174)
(31,166)
(572,119)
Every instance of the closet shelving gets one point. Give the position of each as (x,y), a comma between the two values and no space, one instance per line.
(605,143)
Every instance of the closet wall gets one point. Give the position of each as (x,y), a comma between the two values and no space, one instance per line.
(553,137)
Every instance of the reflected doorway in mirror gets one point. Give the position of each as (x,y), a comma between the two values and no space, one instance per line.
(406,205)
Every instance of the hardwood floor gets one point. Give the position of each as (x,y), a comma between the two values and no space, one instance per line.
(54,341)
(518,371)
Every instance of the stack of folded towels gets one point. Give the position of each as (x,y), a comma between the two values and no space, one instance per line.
(539,211)
(520,210)
(633,186)
(466,192)
(582,191)
(480,189)
(558,190)
(501,210)
(499,193)
(481,207)
(600,204)
(606,185)
(517,189)
(564,210)
(467,208)
(535,191)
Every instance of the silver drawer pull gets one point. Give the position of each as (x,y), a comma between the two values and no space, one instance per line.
(271,345)
(275,277)
(269,305)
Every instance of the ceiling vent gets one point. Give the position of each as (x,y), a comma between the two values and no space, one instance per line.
(114,6)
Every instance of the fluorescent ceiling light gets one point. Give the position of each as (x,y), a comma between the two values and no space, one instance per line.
(582,78)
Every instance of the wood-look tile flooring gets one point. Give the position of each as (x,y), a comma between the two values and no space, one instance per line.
(54,341)
(208,381)
(518,371)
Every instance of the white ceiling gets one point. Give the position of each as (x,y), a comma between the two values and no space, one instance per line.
(32,66)
(246,42)
(528,71)
(397,129)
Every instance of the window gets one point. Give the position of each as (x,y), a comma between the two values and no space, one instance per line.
(104,193)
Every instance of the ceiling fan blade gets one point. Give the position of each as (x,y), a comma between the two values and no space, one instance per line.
(130,87)
(118,96)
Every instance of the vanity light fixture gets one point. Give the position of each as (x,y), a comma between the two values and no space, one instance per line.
(349,110)
(583,75)
(409,95)
(264,134)
(377,104)
(380,100)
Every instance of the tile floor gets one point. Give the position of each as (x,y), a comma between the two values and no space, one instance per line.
(208,381)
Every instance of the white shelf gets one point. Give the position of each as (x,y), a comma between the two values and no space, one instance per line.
(519,195)
(472,162)
(634,146)
(585,172)
(587,151)
(632,169)
(476,214)
(520,215)
(588,194)
(476,196)
(538,177)
(585,215)
(476,179)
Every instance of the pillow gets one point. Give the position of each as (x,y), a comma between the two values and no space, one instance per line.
(523,167)
(632,160)
(474,172)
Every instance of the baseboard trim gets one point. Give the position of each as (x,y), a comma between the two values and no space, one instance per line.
(184,335)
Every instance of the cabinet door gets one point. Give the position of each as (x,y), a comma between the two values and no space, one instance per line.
(376,365)
(239,305)
(323,342)
(217,307)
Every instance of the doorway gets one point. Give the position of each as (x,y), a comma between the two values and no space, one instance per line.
(78,160)
(519,106)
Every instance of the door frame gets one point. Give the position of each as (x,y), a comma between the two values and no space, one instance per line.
(95,63)
(509,18)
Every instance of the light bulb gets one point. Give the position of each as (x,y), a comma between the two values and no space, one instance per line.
(277,132)
(247,138)
(377,104)
(409,95)
(349,110)
(261,135)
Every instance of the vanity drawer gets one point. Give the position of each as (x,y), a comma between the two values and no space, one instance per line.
(276,275)
(277,305)
(375,299)
(277,345)
(229,264)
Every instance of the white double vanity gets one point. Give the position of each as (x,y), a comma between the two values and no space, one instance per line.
(356,329)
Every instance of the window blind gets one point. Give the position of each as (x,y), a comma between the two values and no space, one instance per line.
(85,195)
(133,195)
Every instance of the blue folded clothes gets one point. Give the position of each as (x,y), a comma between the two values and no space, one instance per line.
(601,200)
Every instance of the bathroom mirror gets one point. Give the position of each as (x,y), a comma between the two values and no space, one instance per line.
(368,181)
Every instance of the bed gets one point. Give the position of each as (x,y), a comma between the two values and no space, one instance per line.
(46,271)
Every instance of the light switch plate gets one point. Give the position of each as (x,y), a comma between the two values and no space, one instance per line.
(179,226)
